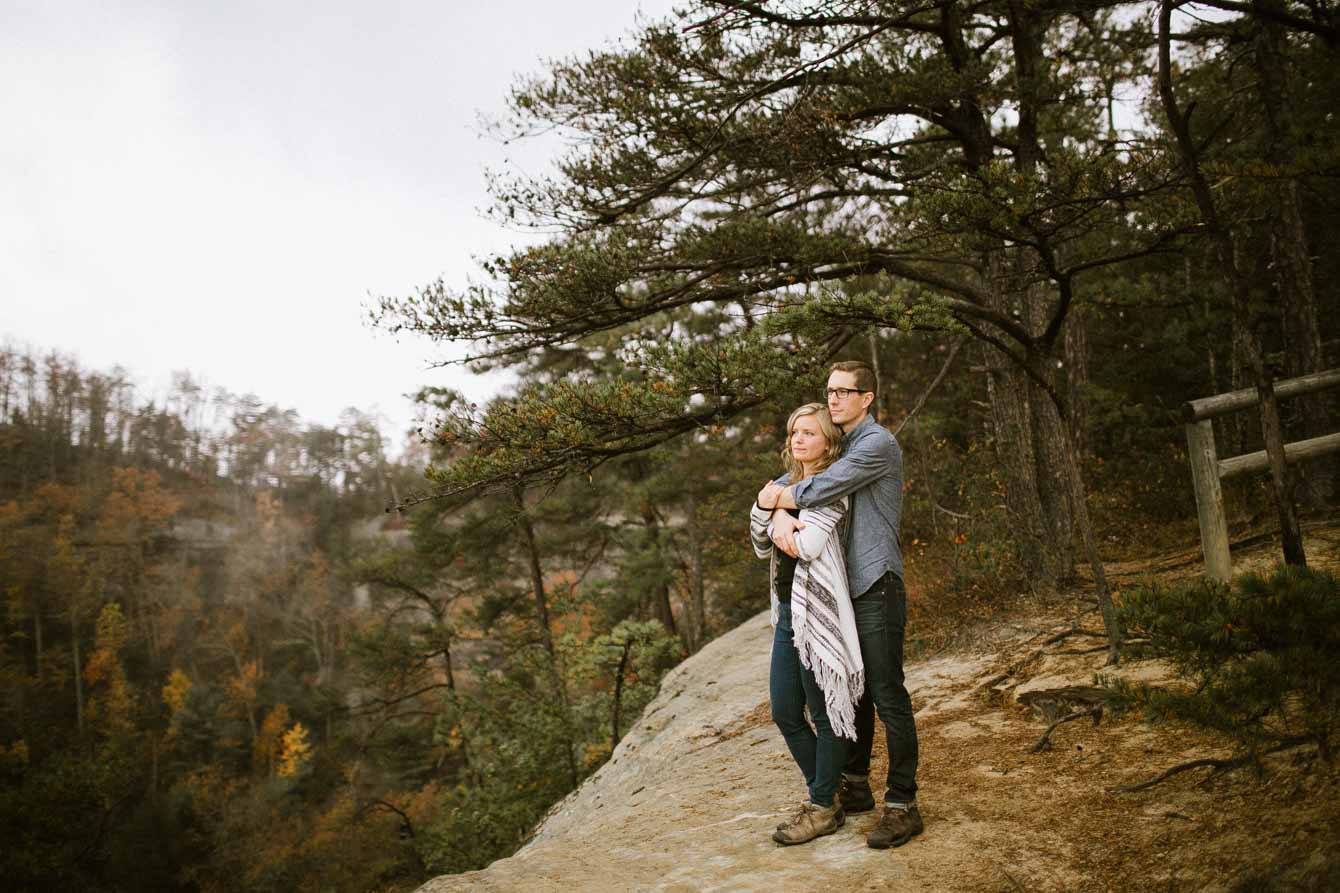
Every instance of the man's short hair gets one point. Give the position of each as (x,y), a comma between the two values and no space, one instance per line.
(864,372)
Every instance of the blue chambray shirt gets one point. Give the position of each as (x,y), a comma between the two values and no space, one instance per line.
(870,470)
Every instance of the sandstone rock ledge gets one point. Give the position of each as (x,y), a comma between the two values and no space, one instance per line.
(691,795)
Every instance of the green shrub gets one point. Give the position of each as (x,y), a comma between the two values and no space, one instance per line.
(1261,654)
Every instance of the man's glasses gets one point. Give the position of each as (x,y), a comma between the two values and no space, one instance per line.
(843,393)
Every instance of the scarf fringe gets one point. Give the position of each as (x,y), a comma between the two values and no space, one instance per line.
(842,690)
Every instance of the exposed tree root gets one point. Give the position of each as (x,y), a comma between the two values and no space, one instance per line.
(1045,741)
(1073,631)
(1081,651)
(1219,765)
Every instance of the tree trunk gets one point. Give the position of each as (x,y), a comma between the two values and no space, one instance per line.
(697,588)
(693,568)
(1290,257)
(1012,431)
(1030,447)
(38,647)
(618,694)
(78,678)
(1049,451)
(881,397)
(1079,497)
(661,605)
(1054,491)
(454,698)
(1221,238)
(1236,423)
(546,634)
(1028,25)
(1077,379)
(1224,426)
(1060,480)
(1290,533)
(536,573)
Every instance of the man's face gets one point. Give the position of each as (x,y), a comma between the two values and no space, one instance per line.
(851,408)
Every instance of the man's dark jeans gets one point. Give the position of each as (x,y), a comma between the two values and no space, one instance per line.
(881,618)
(819,753)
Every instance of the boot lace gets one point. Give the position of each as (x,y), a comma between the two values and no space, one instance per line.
(799,815)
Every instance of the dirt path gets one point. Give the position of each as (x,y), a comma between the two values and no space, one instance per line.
(689,800)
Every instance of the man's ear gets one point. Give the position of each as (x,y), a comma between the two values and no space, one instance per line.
(867,400)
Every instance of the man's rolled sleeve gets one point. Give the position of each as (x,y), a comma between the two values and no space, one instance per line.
(864,461)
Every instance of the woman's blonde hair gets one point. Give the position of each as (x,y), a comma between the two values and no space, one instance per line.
(830,432)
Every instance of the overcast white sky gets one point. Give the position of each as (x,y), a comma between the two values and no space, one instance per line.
(220,186)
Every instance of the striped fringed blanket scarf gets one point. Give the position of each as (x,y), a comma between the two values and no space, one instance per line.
(821,612)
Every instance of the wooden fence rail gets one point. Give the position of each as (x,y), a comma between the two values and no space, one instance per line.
(1207,469)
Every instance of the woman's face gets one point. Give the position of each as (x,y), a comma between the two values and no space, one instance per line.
(808,443)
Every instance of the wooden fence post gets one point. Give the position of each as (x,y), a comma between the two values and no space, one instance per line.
(1209,499)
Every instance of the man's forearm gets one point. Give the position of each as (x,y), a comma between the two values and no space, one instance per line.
(785,500)
(863,463)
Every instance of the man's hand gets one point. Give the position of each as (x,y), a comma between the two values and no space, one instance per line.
(784,529)
(768,496)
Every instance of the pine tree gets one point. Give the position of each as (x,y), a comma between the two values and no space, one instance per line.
(1259,653)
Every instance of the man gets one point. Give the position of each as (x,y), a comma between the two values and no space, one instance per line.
(870,471)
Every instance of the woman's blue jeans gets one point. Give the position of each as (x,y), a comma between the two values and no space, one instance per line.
(817,751)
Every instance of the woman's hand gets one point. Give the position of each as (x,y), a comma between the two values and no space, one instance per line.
(784,529)
(784,526)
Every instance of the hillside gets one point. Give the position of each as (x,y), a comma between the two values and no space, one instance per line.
(690,796)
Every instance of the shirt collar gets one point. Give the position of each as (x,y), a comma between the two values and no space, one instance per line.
(868,420)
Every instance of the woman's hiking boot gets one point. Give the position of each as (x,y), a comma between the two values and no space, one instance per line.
(896,826)
(809,822)
(855,794)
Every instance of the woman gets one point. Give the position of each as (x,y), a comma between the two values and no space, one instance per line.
(816,659)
